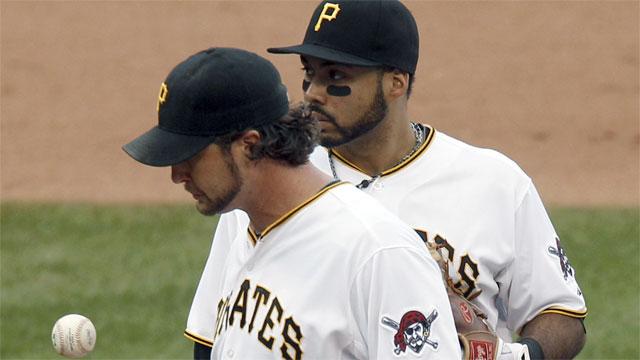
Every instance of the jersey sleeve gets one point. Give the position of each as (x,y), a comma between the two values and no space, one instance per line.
(543,280)
(202,315)
(399,305)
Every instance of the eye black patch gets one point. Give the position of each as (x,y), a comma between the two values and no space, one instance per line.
(334,90)
(305,85)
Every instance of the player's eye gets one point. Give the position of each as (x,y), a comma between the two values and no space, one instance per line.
(308,72)
(336,75)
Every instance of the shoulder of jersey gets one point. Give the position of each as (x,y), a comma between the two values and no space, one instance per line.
(361,208)
(351,197)
(482,158)
(320,158)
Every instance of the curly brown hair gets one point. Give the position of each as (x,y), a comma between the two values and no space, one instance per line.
(291,139)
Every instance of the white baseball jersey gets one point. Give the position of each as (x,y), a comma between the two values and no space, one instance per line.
(503,250)
(339,277)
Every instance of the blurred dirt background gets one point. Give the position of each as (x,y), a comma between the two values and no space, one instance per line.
(552,84)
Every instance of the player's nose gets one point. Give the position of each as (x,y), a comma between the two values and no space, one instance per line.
(315,93)
(179,173)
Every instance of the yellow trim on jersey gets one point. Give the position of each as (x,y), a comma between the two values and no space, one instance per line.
(284,217)
(427,141)
(567,312)
(198,339)
(253,237)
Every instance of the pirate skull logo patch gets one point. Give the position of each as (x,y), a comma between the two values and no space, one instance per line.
(413,331)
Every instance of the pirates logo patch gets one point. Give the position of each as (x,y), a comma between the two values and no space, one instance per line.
(413,331)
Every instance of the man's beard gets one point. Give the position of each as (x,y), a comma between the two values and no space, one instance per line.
(215,206)
(368,121)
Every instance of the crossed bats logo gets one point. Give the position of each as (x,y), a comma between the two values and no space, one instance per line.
(413,331)
(565,266)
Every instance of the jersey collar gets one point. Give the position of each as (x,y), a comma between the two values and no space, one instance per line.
(255,237)
(425,145)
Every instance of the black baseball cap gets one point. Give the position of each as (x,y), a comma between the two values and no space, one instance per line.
(361,33)
(211,93)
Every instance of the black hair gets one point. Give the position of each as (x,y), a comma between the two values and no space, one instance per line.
(290,139)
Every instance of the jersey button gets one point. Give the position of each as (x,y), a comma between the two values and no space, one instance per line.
(249,266)
(378,185)
(230,353)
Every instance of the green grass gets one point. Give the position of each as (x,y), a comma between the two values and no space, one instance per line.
(602,246)
(133,271)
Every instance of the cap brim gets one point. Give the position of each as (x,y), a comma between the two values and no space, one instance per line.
(159,147)
(325,53)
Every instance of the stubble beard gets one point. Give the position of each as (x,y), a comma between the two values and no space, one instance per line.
(210,207)
(374,115)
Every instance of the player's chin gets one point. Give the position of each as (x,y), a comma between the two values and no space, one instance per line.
(331,139)
(206,208)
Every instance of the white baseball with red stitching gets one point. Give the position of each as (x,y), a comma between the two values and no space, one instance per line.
(73,336)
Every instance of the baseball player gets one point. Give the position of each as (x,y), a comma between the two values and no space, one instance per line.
(323,264)
(476,205)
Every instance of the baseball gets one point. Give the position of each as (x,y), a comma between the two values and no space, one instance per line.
(73,336)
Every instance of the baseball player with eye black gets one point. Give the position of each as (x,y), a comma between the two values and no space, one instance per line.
(476,207)
(322,263)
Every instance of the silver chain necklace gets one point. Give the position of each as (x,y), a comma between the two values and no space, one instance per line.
(418,132)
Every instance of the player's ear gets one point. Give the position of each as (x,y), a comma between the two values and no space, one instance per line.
(399,83)
(245,144)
